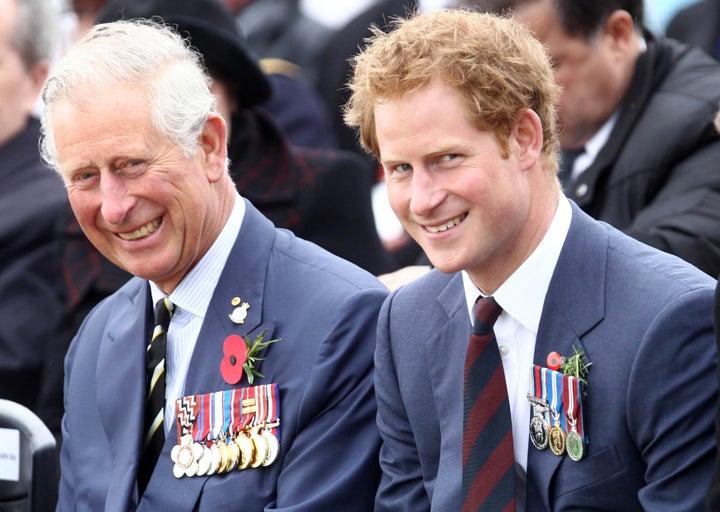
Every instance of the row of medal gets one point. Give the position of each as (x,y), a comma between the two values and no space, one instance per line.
(227,430)
(557,417)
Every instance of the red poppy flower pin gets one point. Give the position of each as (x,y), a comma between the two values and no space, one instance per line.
(240,355)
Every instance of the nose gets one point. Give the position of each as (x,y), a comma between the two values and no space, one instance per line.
(116,201)
(426,194)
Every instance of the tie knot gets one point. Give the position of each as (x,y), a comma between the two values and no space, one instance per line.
(164,310)
(486,311)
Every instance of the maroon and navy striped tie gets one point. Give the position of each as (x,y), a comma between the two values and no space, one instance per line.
(488,461)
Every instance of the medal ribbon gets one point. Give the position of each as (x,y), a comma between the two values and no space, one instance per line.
(579,415)
(227,413)
(570,401)
(218,421)
(554,392)
(273,417)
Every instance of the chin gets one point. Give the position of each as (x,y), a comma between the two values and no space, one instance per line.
(446,265)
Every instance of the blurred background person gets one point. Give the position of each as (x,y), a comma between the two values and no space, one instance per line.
(639,147)
(31,198)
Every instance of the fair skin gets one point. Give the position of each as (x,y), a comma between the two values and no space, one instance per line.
(139,200)
(594,75)
(467,206)
(19,86)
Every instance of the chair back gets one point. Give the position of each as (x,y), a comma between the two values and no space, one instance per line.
(29,468)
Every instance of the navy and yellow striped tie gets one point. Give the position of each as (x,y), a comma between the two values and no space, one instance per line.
(488,482)
(154,432)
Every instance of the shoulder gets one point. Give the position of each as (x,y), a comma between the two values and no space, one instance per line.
(692,71)
(298,265)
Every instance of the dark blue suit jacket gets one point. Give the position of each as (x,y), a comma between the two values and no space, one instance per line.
(644,320)
(323,308)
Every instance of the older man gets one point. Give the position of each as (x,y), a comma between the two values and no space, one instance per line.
(257,378)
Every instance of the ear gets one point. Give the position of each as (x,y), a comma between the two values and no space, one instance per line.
(620,29)
(213,146)
(528,137)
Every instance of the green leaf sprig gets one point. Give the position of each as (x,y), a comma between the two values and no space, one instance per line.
(575,365)
(252,355)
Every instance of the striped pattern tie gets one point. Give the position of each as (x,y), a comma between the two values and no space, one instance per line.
(154,433)
(488,461)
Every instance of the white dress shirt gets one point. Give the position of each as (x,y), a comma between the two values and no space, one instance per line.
(522,297)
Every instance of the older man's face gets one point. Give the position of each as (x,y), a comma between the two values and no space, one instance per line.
(144,204)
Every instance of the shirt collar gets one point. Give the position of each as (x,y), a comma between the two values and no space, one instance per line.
(194,292)
(522,295)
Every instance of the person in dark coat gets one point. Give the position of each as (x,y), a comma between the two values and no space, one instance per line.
(639,110)
(31,196)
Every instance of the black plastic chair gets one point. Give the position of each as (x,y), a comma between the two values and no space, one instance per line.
(36,489)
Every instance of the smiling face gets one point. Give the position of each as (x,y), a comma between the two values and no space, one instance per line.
(467,206)
(145,205)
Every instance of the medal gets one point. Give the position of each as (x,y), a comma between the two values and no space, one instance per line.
(574,443)
(273,447)
(226,430)
(260,450)
(182,456)
(538,400)
(556,434)
(204,461)
(247,450)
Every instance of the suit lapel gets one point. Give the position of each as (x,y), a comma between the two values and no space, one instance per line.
(574,305)
(122,355)
(450,340)
(244,277)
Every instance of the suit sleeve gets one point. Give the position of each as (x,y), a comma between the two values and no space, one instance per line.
(673,393)
(333,461)
(401,485)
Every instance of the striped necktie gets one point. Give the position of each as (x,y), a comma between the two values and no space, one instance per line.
(488,461)
(154,432)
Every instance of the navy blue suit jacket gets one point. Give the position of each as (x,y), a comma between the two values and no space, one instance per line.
(323,309)
(644,320)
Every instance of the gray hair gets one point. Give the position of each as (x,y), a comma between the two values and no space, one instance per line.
(140,53)
(35,35)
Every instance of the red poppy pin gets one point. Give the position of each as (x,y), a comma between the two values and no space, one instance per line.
(240,355)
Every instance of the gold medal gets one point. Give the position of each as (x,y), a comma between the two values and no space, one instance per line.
(224,457)
(247,450)
(556,440)
(234,455)
(260,452)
